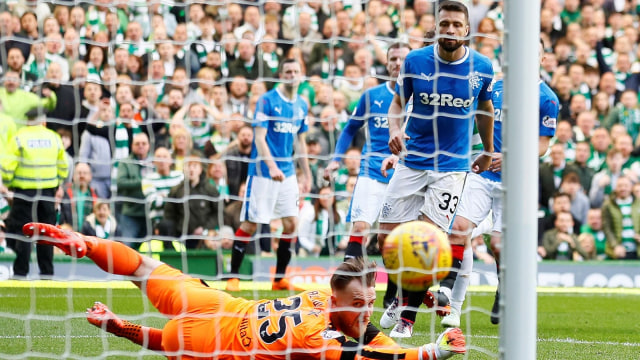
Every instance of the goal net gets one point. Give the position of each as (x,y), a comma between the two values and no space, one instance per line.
(154,104)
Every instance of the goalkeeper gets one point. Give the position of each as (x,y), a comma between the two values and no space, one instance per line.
(208,323)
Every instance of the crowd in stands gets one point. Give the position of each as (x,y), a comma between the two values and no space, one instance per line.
(154,104)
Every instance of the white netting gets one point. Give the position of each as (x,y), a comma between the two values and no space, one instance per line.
(188,75)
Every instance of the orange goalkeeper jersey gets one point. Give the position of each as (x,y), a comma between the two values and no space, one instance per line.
(297,327)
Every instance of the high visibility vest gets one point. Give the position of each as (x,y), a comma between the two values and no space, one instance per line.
(35,159)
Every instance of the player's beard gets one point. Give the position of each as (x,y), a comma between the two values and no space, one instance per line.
(448,45)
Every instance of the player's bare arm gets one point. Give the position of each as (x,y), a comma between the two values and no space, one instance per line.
(265,154)
(303,162)
(484,119)
(543,144)
(396,136)
(388,163)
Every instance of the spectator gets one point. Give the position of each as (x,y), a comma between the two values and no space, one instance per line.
(131,171)
(321,226)
(101,223)
(560,243)
(35,175)
(180,147)
(551,174)
(156,185)
(561,203)
(238,95)
(626,113)
(22,101)
(237,157)
(604,181)
(621,221)
(193,205)
(233,210)
(95,149)
(217,176)
(580,166)
(600,142)
(79,198)
(585,124)
(579,200)
(248,65)
(588,246)
(593,227)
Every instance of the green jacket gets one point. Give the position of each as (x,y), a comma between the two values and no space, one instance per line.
(612,222)
(18,103)
(129,183)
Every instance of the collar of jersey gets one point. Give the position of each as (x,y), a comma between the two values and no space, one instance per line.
(388,86)
(459,61)
(284,97)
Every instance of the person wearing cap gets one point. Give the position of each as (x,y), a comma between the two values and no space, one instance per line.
(22,101)
(34,168)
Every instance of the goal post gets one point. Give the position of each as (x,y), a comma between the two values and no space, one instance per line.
(519,265)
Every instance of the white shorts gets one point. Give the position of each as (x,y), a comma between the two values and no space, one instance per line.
(366,201)
(412,192)
(267,199)
(480,197)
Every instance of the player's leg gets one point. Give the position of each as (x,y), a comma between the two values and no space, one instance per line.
(461,228)
(355,247)
(242,238)
(443,195)
(496,238)
(286,208)
(391,303)
(364,210)
(256,209)
(111,256)
(402,203)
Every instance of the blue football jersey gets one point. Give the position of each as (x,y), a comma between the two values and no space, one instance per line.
(284,120)
(548,114)
(445,97)
(372,110)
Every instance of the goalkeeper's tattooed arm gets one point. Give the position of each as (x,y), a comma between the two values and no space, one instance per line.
(147,337)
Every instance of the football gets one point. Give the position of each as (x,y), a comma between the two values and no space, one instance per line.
(417,254)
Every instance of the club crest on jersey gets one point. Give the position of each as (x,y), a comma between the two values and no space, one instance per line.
(474,80)
(549,121)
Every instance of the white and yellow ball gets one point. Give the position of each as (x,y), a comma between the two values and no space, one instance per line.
(416,255)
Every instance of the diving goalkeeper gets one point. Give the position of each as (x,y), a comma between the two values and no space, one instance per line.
(208,323)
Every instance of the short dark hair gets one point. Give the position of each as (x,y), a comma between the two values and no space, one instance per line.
(398,45)
(354,269)
(286,61)
(451,5)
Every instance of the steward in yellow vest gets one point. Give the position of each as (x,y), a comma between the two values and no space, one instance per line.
(34,166)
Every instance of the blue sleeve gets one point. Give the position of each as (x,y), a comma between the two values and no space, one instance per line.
(356,121)
(548,116)
(404,85)
(487,88)
(304,127)
(261,116)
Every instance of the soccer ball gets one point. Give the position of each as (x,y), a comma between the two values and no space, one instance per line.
(417,254)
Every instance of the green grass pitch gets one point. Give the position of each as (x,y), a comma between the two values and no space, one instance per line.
(43,322)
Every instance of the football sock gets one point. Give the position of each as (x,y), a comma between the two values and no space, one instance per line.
(111,256)
(354,247)
(392,291)
(237,252)
(138,334)
(283,255)
(415,299)
(459,290)
(457,253)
